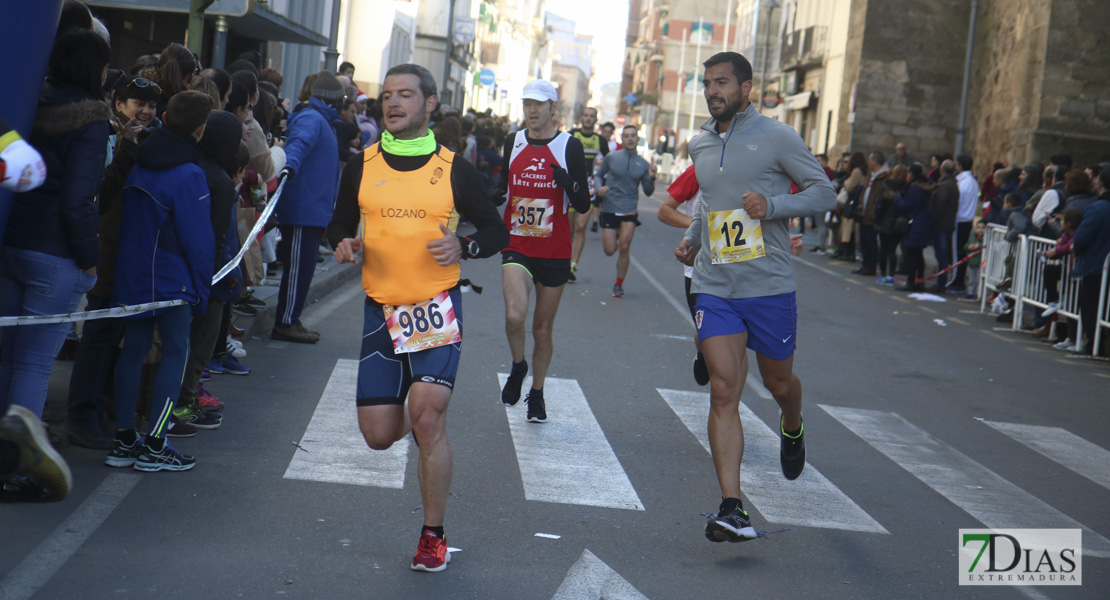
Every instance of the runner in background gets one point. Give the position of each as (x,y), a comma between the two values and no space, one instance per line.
(544,173)
(594,146)
(618,180)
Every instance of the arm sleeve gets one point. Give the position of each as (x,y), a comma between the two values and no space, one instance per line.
(222,200)
(1049,201)
(466,185)
(599,174)
(300,141)
(576,157)
(647,182)
(685,186)
(81,179)
(503,177)
(344,221)
(604,147)
(115,176)
(192,221)
(815,195)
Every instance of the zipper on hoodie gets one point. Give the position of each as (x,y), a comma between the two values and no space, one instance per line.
(724,142)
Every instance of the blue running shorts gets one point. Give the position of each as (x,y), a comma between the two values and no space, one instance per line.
(385,377)
(770,321)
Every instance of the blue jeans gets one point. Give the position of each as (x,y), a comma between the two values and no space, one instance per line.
(34,283)
(942,251)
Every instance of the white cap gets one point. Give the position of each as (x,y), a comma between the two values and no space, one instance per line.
(538,89)
(362,97)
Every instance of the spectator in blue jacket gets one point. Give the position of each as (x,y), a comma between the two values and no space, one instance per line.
(306,205)
(50,248)
(1091,245)
(913,204)
(166,252)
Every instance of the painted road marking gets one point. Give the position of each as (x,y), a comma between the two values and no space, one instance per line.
(957,321)
(819,268)
(41,564)
(901,299)
(567,459)
(982,493)
(592,579)
(337,452)
(809,501)
(1064,447)
(998,337)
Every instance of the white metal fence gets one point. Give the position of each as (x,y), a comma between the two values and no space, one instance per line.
(1017,270)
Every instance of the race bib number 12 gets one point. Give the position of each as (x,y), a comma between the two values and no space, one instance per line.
(416,327)
(532,217)
(734,237)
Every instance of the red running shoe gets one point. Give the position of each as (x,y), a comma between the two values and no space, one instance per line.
(431,554)
(208,400)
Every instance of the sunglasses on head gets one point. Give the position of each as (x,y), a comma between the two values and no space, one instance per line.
(141,82)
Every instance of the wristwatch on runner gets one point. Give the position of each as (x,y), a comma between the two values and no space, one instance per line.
(471,248)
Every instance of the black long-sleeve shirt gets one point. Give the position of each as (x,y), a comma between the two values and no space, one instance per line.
(576,167)
(467,186)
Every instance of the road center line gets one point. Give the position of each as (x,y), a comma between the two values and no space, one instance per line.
(41,564)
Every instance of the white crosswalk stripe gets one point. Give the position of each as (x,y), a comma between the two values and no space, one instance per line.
(567,459)
(982,493)
(334,449)
(809,501)
(1064,447)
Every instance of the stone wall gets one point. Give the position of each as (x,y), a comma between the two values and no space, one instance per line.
(910,75)
(1005,97)
(1075,109)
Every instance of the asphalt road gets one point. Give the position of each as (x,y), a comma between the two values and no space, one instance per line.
(913,421)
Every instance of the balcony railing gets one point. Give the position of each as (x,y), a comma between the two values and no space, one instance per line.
(804,47)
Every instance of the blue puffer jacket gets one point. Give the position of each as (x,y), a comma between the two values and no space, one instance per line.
(914,204)
(60,217)
(1092,240)
(313,154)
(166,246)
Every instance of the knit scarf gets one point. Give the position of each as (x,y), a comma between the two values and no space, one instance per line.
(417,147)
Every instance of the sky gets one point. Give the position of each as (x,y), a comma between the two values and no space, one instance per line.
(608,23)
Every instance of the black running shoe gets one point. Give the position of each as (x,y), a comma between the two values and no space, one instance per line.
(510,394)
(701,371)
(731,526)
(537,413)
(166,458)
(792,452)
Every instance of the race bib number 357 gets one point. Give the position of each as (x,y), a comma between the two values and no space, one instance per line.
(416,327)
(532,217)
(734,237)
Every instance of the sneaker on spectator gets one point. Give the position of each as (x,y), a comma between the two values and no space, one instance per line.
(1051,310)
(207,400)
(87,435)
(205,375)
(163,457)
(214,367)
(233,367)
(38,458)
(249,299)
(235,349)
(294,333)
(178,429)
(234,331)
(123,454)
(196,416)
(1065,346)
(244,309)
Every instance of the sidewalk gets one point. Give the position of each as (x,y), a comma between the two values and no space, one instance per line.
(329,276)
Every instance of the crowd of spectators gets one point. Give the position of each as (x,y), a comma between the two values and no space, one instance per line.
(889,203)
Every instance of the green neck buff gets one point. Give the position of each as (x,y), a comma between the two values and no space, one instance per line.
(418,147)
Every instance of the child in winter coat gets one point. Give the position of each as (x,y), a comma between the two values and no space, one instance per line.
(973,245)
(166,252)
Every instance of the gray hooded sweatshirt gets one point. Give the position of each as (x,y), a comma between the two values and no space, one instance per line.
(763,155)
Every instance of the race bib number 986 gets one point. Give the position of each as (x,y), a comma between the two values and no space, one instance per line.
(734,237)
(532,217)
(416,327)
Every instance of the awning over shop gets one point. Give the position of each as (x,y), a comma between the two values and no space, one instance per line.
(245,17)
(798,101)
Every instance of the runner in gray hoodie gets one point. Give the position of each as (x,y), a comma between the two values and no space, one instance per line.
(738,244)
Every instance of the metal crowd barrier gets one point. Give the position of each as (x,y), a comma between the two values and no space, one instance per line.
(1027,280)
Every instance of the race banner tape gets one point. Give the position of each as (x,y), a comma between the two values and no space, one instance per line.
(120,311)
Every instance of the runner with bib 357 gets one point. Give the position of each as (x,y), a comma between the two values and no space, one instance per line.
(739,245)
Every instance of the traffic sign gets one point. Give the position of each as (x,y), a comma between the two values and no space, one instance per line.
(622,119)
(487,77)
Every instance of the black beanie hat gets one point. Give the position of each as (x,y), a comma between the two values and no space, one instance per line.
(327,88)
